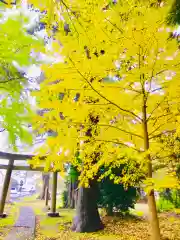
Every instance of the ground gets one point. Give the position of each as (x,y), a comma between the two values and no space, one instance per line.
(7,223)
(133,227)
(129,228)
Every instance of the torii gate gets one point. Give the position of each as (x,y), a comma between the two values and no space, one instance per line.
(10,167)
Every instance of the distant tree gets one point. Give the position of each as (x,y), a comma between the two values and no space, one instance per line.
(45,185)
(72,185)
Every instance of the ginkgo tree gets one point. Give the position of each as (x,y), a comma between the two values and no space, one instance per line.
(123,66)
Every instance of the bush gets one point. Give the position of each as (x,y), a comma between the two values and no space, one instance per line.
(115,196)
(169,199)
(164,205)
(176,197)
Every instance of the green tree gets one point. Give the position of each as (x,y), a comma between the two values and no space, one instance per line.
(15,109)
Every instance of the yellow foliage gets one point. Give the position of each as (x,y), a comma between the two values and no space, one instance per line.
(134,106)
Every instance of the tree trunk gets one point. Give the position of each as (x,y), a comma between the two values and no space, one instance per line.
(72,185)
(45,180)
(109,210)
(87,216)
(155,230)
(73,200)
(70,195)
(153,217)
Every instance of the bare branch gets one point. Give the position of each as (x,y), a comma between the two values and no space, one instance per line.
(12,3)
(116,142)
(160,126)
(156,108)
(160,134)
(157,118)
(156,89)
(114,25)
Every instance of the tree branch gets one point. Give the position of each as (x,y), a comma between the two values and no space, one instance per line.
(160,134)
(116,142)
(156,89)
(11,79)
(159,126)
(156,108)
(120,129)
(102,96)
(157,118)
(12,3)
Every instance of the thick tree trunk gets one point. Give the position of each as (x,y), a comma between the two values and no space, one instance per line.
(87,216)
(45,180)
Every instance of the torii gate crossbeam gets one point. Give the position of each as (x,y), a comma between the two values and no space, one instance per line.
(10,167)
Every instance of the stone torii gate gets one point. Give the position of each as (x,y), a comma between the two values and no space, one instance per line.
(10,167)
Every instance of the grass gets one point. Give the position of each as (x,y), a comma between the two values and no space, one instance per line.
(164,205)
(30,198)
(131,227)
(117,228)
(7,223)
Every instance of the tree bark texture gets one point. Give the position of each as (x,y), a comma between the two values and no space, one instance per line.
(72,186)
(87,217)
(153,217)
(45,180)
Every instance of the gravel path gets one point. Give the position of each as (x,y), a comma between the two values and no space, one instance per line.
(142,207)
(24,227)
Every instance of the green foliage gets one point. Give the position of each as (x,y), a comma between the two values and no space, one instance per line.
(116,196)
(15,110)
(174,14)
(73,174)
(176,198)
(164,205)
(169,199)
